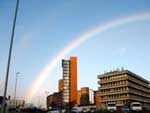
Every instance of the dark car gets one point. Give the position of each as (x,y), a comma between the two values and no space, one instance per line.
(125,108)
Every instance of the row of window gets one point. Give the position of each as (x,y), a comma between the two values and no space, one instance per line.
(66,93)
(65,66)
(119,89)
(115,96)
(66,72)
(113,77)
(120,102)
(65,62)
(66,88)
(66,69)
(66,100)
(66,83)
(66,77)
(137,86)
(110,84)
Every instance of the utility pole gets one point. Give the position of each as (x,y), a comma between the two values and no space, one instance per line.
(9,58)
(16,87)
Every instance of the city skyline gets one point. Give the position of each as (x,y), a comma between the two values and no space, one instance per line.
(99,44)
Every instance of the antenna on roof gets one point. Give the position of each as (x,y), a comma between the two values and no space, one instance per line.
(117,69)
(122,69)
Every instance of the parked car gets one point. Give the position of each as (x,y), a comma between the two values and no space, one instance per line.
(135,106)
(93,110)
(86,110)
(111,106)
(54,111)
(125,108)
(146,108)
(77,109)
(12,107)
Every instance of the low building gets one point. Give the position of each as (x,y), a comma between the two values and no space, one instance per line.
(16,102)
(54,100)
(83,96)
(60,85)
(97,100)
(123,87)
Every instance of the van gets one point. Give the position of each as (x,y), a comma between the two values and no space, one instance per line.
(111,106)
(135,106)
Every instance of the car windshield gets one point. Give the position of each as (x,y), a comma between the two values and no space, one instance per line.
(125,107)
(136,105)
(111,105)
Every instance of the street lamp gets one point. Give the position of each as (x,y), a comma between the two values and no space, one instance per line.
(47,93)
(16,87)
(9,58)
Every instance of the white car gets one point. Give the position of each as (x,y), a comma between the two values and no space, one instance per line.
(111,106)
(135,106)
(86,110)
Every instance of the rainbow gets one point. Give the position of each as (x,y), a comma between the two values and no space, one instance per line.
(76,42)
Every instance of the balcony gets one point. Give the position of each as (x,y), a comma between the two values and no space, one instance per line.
(139,82)
(140,93)
(113,93)
(138,87)
(114,99)
(116,86)
(112,80)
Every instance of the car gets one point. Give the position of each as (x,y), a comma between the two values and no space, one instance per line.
(86,110)
(146,108)
(54,111)
(125,108)
(111,106)
(93,110)
(77,109)
(136,106)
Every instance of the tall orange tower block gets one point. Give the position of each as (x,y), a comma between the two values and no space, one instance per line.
(73,80)
(70,81)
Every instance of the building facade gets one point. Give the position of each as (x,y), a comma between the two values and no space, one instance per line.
(123,87)
(67,86)
(54,100)
(97,100)
(60,85)
(83,96)
(69,68)
(16,102)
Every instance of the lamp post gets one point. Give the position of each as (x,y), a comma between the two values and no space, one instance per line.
(16,87)
(47,93)
(9,58)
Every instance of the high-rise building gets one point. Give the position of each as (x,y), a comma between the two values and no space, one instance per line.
(70,81)
(83,96)
(123,87)
(60,86)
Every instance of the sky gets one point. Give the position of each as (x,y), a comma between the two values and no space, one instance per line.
(45,27)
